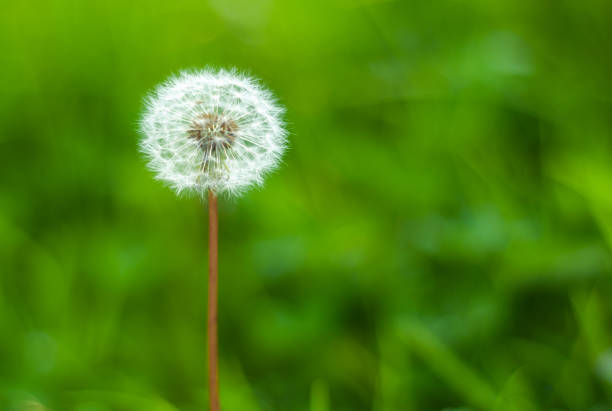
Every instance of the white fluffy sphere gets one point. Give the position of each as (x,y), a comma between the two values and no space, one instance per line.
(212,130)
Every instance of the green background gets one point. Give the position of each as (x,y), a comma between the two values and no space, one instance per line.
(438,236)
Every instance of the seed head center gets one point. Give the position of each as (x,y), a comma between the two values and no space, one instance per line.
(213,132)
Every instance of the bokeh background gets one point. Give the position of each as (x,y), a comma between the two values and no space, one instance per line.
(438,237)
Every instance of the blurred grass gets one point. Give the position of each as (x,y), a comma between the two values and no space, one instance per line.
(437,238)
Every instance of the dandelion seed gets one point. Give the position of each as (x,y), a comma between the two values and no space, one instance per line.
(212,130)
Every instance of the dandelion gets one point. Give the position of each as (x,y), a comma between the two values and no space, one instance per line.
(212,132)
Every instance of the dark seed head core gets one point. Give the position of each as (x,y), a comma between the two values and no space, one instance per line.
(213,132)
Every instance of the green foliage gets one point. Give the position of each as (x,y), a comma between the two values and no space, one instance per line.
(438,236)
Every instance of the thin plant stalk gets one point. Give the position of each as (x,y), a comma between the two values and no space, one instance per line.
(213,353)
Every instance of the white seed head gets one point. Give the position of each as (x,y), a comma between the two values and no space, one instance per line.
(213,130)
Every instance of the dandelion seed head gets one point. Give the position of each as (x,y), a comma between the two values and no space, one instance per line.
(213,130)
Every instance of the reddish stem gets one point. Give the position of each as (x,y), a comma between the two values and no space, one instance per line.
(213,354)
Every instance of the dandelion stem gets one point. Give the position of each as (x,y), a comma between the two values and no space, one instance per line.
(213,354)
